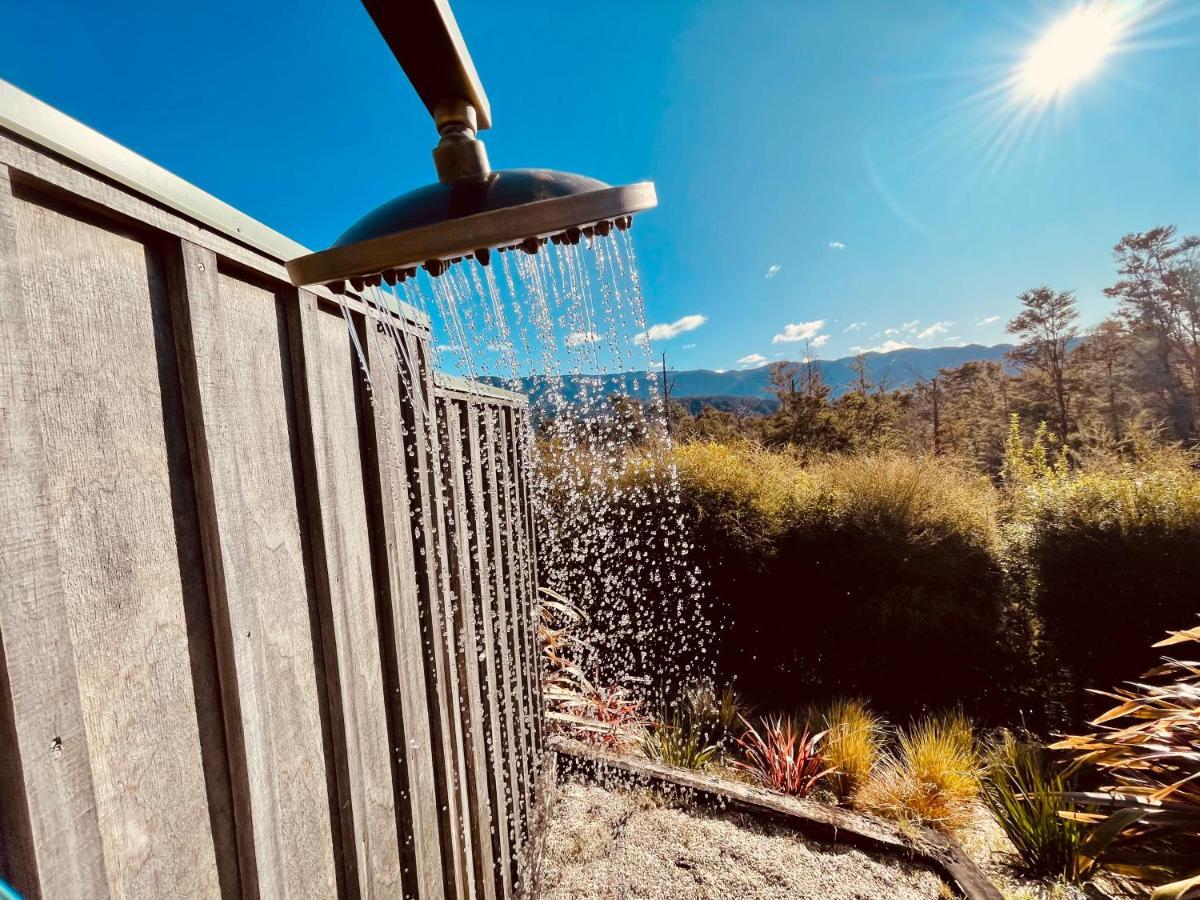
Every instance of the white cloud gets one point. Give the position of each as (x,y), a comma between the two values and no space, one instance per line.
(673,329)
(934,330)
(819,341)
(885,347)
(836,245)
(773,270)
(798,331)
(752,361)
(719,371)
(575,338)
(987,320)
(447,348)
(905,328)
(689,346)
(853,326)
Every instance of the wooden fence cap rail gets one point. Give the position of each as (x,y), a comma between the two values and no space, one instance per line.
(46,127)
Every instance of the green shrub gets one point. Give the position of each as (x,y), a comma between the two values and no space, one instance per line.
(912,581)
(1112,560)
(1023,789)
(872,575)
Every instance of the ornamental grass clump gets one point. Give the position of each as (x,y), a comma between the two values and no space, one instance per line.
(1023,788)
(931,779)
(680,742)
(853,745)
(783,756)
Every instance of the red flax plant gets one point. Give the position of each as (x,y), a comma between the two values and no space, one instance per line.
(783,757)
(611,716)
(1149,812)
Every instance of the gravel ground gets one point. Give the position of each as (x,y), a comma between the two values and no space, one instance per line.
(988,846)
(604,843)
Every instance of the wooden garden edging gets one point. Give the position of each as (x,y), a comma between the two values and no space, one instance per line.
(827,823)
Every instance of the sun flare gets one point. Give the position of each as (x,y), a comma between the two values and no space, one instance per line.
(1070,51)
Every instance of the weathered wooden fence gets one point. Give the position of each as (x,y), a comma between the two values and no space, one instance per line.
(260,635)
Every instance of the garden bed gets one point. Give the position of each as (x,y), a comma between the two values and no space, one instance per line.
(610,841)
(835,829)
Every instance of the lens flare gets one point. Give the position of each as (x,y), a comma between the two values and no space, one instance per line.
(1070,51)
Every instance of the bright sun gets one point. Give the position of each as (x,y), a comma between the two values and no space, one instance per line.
(1072,49)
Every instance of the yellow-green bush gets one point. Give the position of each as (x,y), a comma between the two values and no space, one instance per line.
(920,584)
(877,575)
(1111,560)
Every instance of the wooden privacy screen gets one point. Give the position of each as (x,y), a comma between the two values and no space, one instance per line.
(261,635)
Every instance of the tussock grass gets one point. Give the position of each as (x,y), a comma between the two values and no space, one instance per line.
(853,745)
(931,779)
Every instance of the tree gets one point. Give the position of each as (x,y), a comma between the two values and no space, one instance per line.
(1045,329)
(1159,296)
(783,382)
(1103,362)
(804,416)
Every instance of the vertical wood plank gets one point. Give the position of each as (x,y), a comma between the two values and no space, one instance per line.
(509,535)
(409,690)
(513,687)
(523,454)
(474,725)
(492,675)
(53,845)
(119,496)
(237,371)
(325,370)
(421,453)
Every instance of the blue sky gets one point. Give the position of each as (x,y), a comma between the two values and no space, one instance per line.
(833,163)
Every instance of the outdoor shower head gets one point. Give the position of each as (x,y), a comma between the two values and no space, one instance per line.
(472,210)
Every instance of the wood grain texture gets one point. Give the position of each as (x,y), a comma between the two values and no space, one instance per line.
(52,843)
(526,558)
(471,708)
(325,369)
(523,602)
(424,485)
(404,647)
(449,648)
(500,738)
(256,624)
(503,620)
(508,539)
(107,396)
(243,386)
(103,195)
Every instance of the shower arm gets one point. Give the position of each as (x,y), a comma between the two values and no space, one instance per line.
(472,210)
(424,37)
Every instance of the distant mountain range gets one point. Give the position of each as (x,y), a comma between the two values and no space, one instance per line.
(894,369)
